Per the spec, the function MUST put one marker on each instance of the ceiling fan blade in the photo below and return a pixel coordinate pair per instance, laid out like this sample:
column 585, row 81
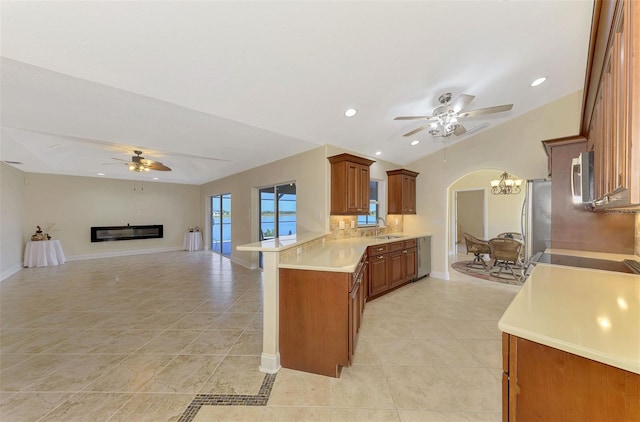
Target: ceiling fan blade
column 119, row 159
column 413, row 132
column 156, row 165
column 413, row 118
column 461, row 101
column 478, row 127
column 460, row 130
column 488, row 110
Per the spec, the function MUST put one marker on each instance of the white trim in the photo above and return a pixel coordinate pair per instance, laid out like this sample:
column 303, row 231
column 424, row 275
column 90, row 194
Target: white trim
column 123, row 253
column 244, row 263
column 439, row 275
column 11, row 271
column 270, row 364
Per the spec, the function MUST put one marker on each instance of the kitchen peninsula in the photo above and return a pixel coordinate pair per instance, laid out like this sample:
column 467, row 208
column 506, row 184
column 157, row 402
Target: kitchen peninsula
column 571, row 345
column 320, row 258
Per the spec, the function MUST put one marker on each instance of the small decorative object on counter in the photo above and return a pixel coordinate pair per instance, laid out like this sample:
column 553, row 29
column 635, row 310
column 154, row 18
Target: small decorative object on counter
column 197, row 229
column 39, row 235
column 190, row 229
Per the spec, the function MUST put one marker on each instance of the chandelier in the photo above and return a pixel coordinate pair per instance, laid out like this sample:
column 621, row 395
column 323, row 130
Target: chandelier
column 506, row 185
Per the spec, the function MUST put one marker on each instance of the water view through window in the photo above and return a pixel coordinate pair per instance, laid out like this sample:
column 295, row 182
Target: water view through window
column 221, row 224
column 277, row 211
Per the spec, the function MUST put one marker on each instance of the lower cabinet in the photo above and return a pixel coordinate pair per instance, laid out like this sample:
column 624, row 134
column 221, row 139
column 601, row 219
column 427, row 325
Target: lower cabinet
column 391, row 265
column 546, row 384
column 320, row 316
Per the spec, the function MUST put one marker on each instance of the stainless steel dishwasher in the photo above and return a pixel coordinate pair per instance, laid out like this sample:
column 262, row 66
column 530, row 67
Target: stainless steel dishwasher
column 424, row 256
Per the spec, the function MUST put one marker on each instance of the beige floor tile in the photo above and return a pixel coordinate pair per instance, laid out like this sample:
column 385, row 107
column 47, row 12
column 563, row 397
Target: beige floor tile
column 449, row 353
column 153, row 407
column 233, row 320
column 169, row 342
column 487, row 352
column 131, row 374
column 361, row 386
column 230, row 414
column 235, row 375
column 401, row 350
column 31, row 370
column 88, row 406
column 386, row 327
column 249, row 343
column 295, row 388
column 364, row 415
column 420, row 388
column 26, row 407
column 476, row 389
column 296, row 414
column 196, row 321
column 432, row 416
column 213, row 342
column 184, row 374
column 365, row 352
column 85, row 341
column 128, row 341
column 484, row 416
column 7, row 360
column 467, row 329
column 431, row 328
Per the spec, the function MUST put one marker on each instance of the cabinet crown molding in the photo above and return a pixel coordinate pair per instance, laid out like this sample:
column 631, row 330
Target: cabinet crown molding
column 402, row 171
column 349, row 157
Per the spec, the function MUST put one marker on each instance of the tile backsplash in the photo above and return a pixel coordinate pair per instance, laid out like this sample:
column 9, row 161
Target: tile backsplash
column 341, row 226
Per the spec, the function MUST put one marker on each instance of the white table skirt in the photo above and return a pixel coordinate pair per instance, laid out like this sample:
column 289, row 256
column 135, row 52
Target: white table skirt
column 192, row 241
column 43, row 252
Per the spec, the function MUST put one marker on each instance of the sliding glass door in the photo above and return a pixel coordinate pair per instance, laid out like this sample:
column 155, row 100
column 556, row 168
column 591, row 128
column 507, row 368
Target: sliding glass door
column 221, row 224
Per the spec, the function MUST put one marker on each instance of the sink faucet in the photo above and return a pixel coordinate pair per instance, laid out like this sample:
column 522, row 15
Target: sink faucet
column 384, row 223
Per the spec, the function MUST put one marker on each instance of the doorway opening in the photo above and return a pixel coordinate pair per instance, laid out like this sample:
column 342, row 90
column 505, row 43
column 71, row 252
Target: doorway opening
column 221, row 224
column 469, row 217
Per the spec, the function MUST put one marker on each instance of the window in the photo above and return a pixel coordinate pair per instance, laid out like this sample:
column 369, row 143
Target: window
column 374, row 205
column 221, row 224
column 277, row 214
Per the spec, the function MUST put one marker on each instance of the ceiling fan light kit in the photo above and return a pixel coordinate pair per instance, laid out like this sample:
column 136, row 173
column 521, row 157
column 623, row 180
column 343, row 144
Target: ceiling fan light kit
column 445, row 119
column 140, row 164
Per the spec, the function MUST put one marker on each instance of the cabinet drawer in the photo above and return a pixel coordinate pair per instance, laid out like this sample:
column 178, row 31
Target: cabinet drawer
column 378, row 249
column 395, row 246
column 411, row 243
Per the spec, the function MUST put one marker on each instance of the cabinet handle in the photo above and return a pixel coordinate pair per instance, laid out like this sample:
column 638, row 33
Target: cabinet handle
column 381, row 256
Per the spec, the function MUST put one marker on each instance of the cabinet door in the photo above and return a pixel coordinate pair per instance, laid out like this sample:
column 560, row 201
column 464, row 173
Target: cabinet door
column 396, row 269
column 410, row 257
column 408, row 194
column 353, row 187
column 378, row 274
column 363, row 190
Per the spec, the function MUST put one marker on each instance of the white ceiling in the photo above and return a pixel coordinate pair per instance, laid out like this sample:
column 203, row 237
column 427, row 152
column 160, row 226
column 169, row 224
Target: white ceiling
column 212, row 88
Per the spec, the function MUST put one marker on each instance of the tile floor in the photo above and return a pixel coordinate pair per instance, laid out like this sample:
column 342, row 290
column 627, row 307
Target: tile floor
column 141, row 338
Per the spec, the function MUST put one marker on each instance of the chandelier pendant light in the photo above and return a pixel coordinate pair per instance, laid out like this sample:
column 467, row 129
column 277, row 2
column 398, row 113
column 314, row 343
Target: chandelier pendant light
column 506, row 185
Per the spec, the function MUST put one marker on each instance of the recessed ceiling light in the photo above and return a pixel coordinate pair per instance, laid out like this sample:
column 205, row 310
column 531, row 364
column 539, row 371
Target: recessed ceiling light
column 351, row 112
column 415, row 142
column 539, row 81
column 155, row 178
column 100, row 174
column 378, row 152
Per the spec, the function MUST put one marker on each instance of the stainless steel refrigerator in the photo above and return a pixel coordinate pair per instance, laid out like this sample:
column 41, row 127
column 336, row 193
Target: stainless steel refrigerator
column 536, row 217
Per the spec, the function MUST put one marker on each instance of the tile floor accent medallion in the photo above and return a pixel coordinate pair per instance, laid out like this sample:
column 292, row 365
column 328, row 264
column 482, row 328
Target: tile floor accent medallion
column 259, row 399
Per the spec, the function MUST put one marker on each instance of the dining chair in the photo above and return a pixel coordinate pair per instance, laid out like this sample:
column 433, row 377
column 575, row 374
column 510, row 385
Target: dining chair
column 507, row 255
column 478, row 248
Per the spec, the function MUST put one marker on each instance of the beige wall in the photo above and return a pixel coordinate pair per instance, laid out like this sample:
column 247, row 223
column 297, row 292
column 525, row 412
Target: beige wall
column 513, row 147
column 11, row 210
column 68, row 206
column 503, row 211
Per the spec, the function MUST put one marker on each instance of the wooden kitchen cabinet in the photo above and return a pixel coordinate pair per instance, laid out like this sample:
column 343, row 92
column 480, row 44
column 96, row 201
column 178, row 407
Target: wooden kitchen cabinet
column 402, row 191
column 391, row 265
column 378, row 270
column 349, row 184
column 320, row 317
column 612, row 115
column 546, row 384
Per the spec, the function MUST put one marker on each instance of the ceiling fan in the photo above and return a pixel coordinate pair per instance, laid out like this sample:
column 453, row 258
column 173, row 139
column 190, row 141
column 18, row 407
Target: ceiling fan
column 140, row 164
column 445, row 118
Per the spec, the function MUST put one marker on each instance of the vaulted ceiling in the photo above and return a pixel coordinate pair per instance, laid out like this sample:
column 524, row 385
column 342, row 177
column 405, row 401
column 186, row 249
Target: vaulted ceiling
column 212, row 88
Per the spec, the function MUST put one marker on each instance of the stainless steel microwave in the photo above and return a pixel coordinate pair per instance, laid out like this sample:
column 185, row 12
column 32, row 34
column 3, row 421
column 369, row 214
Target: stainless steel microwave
column 582, row 178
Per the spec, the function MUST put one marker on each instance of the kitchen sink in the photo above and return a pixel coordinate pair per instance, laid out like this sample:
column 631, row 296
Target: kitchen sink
column 389, row 236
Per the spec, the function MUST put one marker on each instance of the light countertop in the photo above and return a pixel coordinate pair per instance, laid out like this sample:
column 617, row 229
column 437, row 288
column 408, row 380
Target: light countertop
column 281, row 243
column 341, row 255
column 590, row 313
column 594, row 255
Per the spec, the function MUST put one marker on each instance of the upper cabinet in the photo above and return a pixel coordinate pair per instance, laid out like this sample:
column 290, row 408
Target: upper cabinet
column 611, row 117
column 402, row 191
column 349, row 184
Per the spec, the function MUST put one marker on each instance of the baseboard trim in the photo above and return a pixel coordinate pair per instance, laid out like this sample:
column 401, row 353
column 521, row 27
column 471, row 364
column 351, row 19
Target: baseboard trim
column 244, row 263
column 270, row 364
column 440, row 275
column 11, row 271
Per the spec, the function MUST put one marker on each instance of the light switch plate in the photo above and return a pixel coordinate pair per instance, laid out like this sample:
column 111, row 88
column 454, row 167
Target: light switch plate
column 341, row 225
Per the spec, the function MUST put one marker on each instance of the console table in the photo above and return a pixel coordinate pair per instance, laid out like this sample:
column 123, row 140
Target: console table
column 192, row 241
column 43, row 253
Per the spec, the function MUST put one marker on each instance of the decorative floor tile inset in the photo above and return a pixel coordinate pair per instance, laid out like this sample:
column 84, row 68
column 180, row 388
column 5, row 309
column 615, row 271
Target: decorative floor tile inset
column 259, row 399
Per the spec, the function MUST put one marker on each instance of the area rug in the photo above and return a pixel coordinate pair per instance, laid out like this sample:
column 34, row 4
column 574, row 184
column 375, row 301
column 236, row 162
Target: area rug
column 478, row 272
